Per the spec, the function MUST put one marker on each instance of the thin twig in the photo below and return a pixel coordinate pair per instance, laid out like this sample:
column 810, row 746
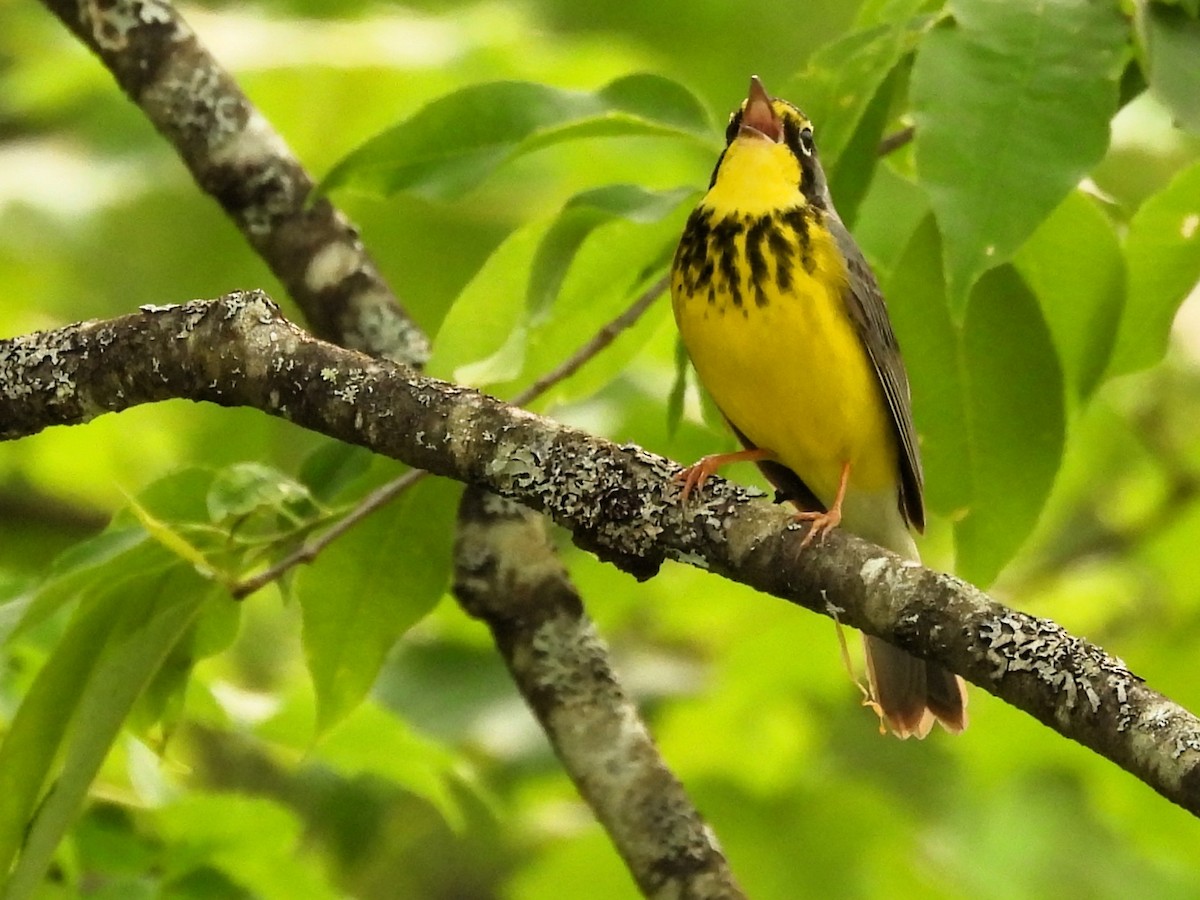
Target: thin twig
column 599, row 341
column 897, row 139
column 393, row 489
column 309, row 551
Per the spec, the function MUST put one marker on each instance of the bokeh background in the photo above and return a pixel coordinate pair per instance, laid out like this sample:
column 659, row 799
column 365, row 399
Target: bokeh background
column 440, row 784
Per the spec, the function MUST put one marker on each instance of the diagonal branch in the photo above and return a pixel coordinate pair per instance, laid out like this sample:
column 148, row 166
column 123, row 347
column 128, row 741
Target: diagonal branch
column 508, row 574
column 381, row 496
column 618, row 501
column 238, row 158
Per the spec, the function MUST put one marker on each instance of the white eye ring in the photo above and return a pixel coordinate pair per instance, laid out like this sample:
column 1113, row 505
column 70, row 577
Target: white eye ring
column 806, row 141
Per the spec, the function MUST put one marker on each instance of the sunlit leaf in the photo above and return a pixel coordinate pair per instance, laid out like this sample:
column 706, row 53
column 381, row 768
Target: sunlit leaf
column 457, row 140
column 582, row 215
column 180, row 496
column 491, row 338
column 617, row 263
column 1163, row 253
column 173, row 541
column 842, row 78
column 98, row 671
column 1073, row 264
column 1012, row 101
column 879, row 12
column 484, row 329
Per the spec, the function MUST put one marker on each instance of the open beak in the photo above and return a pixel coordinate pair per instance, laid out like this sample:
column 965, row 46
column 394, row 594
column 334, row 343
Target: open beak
column 758, row 118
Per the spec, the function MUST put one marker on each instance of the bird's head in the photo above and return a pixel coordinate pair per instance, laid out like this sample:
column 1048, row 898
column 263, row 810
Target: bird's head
column 770, row 154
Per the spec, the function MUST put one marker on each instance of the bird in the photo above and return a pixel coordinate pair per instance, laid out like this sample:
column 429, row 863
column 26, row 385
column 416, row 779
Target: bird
column 788, row 332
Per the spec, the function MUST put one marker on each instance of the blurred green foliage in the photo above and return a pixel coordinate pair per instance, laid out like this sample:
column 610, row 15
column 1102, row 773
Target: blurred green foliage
column 1036, row 241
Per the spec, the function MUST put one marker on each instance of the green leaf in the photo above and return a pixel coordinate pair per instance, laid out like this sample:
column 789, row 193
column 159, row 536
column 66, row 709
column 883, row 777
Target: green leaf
column 107, row 843
column 1163, row 253
column 582, row 215
column 244, row 488
column 86, row 565
column 851, row 178
column 369, row 587
column 678, row 388
column 491, row 338
column 929, row 341
column 837, row 87
column 481, row 340
column 1016, row 422
column 1172, row 41
column 373, row 742
column 333, row 467
column 881, row 12
column 124, row 547
column 100, row 668
column 458, row 140
column 988, row 404
column 36, row 731
column 162, row 702
column 618, row 262
column 891, row 211
column 95, row 551
column 1012, row 102
column 16, row 594
column 176, row 543
column 255, row 842
column 180, row 496
column 1073, row 265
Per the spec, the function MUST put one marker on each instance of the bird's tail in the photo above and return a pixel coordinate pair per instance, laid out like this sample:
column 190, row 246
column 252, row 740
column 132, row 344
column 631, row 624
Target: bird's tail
column 912, row 693
column 909, row 693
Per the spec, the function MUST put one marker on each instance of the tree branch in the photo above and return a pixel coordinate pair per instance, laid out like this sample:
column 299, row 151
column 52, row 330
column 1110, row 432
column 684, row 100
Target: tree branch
column 618, row 501
column 386, row 493
column 508, row 575
column 242, row 162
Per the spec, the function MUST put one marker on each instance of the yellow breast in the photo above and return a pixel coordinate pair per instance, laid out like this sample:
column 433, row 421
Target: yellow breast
column 758, row 297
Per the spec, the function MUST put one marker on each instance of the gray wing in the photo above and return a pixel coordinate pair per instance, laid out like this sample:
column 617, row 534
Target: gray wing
column 867, row 309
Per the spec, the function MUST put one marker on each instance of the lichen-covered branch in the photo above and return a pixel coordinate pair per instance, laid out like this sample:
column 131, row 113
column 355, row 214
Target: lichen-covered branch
column 561, row 665
column 618, row 501
column 242, row 162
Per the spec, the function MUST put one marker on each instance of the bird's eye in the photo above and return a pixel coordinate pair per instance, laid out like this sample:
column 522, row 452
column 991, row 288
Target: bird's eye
column 806, row 140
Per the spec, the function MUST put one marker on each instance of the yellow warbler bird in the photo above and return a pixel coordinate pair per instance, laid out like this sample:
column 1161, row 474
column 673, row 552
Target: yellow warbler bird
column 788, row 331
